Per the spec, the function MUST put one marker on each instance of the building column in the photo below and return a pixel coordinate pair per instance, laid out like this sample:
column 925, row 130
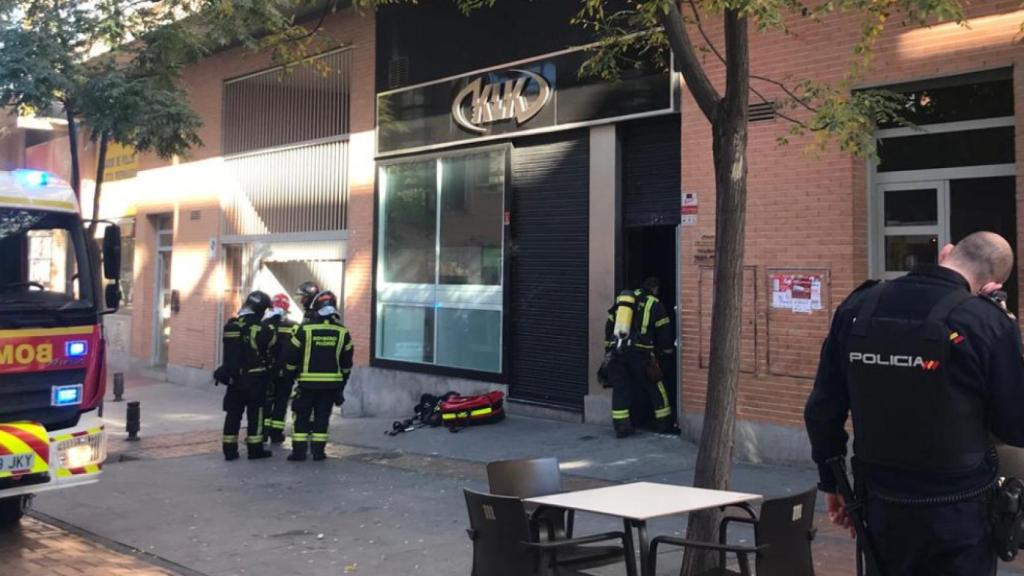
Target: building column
column 604, row 233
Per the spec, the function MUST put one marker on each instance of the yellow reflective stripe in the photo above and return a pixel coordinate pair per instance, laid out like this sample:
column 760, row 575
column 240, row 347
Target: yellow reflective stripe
column 254, row 439
column 299, row 436
column 663, row 412
column 70, row 331
column 647, row 315
column 61, row 473
column 33, row 203
column 253, row 331
column 663, row 322
column 320, row 437
column 295, row 342
column 277, row 424
column 230, row 439
column 320, row 377
column 620, row 414
column 664, row 395
column 291, row 366
column 481, row 412
column 644, row 346
column 350, row 346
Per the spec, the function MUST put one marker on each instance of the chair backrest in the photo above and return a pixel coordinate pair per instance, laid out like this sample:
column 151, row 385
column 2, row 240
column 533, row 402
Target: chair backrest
column 498, row 527
column 525, row 478
column 786, row 527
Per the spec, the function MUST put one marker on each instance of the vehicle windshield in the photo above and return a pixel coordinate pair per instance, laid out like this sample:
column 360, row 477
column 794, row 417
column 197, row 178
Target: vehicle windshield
column 43, row 262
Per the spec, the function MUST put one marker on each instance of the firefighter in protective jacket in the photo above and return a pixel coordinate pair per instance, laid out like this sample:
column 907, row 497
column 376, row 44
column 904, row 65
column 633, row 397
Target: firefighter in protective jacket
column 638, row 338
column 320, row 357
column 244, row 372
column 280, row 383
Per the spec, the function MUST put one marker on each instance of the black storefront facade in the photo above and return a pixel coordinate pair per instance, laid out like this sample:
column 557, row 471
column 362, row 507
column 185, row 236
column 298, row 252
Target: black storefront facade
column 514, row 198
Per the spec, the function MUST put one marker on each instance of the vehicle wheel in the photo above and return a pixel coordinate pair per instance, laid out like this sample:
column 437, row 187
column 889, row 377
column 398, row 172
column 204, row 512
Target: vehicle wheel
column 12, row 509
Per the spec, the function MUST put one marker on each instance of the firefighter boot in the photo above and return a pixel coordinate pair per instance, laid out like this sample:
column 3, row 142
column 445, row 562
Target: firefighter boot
column 318, row 450
column 258, row 451
column 623, row 428
column 666, row 425
column 276, row 436
column 230, row 451
column 298, row 450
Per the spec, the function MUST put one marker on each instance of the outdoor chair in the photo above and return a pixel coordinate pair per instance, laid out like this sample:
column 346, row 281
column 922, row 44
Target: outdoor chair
column 503, row 543
column 541, row 477
column 783, row 531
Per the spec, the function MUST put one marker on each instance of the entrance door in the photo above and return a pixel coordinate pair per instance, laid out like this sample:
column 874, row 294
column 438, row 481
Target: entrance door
column 650, row 251
column 162, row 311
column 917, row 218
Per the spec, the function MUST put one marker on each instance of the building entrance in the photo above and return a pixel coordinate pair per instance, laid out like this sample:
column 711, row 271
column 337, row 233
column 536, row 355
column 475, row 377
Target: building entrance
column 650, row 251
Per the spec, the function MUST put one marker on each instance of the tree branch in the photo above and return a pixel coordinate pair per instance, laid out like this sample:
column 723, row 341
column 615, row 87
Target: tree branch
column 328, row 7
column 687, row 62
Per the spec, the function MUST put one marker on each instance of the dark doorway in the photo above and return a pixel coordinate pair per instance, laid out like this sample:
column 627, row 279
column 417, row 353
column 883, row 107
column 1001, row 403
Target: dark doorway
column 990, row 204
column 651, row 251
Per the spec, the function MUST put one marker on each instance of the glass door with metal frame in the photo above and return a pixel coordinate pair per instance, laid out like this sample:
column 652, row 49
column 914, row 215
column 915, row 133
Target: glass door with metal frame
column 162, row 310
column 913, row 225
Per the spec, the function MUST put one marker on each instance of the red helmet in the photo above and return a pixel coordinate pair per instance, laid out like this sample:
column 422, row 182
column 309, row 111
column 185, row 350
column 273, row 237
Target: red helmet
column 281, row 301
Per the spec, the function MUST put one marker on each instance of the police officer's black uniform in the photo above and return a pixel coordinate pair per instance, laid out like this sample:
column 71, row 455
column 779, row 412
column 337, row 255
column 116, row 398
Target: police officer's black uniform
column 280, row 380
column 321, row 358
column 244, row 371
column 650, row 340
column 927, row 371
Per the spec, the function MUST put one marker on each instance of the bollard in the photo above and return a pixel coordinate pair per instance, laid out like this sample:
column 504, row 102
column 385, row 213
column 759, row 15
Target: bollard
column 133, row 421
column 118, row 387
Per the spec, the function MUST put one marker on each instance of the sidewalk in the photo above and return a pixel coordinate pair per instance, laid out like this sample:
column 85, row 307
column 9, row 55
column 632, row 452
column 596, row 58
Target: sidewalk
column 381, row 505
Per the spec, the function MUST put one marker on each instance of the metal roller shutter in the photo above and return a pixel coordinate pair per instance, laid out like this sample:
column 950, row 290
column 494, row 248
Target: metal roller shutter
column 549, row 261
column 650, row 172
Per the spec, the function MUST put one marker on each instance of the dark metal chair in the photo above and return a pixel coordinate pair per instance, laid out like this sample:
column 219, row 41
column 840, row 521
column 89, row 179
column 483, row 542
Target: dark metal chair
column 783, row 531
column 503, row 543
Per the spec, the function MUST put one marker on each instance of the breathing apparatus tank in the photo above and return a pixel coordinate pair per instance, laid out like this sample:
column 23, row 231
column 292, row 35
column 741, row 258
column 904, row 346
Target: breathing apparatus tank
column 625, row 309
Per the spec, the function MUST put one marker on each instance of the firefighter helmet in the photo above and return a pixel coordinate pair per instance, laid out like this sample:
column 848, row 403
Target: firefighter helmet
column 256, row 302
column 306, row 292
column 281, row 301
column 325, row 303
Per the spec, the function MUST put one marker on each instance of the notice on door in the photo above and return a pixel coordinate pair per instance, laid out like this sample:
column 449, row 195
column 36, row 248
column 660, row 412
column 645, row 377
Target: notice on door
column 799, row 293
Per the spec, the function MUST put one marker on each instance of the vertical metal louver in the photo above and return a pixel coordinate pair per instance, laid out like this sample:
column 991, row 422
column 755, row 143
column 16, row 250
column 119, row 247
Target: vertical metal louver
column 286, row 105
column 300, row 189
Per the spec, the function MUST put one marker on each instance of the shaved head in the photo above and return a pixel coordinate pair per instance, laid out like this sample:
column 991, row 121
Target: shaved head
column 983, row 257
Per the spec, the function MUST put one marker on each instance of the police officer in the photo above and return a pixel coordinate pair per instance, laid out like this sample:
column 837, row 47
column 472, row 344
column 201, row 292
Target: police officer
column 244, row 372
column 928, row 368
column 321, row 358
column 637, row 346
column 280, row 382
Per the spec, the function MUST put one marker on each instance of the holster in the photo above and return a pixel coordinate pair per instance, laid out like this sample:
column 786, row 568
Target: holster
column 1008, row 519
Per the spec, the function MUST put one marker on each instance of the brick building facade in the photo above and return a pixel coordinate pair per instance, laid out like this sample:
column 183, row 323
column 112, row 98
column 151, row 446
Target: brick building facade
column 818, row 224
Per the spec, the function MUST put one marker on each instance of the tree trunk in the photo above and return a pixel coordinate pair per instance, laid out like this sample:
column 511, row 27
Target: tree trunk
column 729, row 127
column 101, row 165
column 76, row 178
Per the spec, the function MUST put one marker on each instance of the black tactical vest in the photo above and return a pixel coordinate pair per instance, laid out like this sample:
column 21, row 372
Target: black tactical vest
column 906, row 412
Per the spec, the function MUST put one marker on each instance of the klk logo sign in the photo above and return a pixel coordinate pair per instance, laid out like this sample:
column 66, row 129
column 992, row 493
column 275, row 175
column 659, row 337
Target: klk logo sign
column 479, row 104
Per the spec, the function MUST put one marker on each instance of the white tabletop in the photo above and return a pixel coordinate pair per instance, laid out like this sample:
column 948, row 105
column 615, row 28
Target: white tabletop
column 643, row 500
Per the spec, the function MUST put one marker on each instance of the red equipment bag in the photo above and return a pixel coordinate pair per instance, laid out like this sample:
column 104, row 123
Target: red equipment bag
column 460, row 411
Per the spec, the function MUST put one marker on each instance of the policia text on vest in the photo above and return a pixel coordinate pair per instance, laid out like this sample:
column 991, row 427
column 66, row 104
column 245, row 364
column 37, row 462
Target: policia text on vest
column 927, row 371
column 638, row 337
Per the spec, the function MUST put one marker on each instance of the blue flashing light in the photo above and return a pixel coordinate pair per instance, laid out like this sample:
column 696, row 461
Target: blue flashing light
column 76, row 348
column 67, row 395
column 32, row 178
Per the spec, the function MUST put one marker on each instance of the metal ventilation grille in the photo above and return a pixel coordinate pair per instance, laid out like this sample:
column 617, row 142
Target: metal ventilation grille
column 277, row 107
column 302, row 189
column 761, row 112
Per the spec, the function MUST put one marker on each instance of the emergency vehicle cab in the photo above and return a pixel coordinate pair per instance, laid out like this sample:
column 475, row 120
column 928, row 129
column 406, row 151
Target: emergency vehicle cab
column 52, row 361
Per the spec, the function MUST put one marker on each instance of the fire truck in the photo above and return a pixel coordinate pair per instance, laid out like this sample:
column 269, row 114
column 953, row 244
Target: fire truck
column 52, row 360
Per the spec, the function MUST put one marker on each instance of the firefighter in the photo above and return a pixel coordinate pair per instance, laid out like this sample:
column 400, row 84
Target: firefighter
column 279, row 387
column 305, row 294
column 244, row 372
column 320, row 357
column 926, row 370
column 638, row 339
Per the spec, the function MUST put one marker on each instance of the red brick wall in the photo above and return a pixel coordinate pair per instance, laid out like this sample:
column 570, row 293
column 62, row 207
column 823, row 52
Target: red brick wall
column 191, row 184
column 808, row 212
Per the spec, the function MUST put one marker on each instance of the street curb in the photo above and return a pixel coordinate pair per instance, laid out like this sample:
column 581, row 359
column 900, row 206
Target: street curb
column 115, row 546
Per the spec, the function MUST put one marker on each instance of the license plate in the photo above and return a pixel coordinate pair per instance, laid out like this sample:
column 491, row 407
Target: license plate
column 17, row 462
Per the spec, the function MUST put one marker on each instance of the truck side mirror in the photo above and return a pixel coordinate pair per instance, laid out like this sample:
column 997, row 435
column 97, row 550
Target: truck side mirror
column 112, row 296
column 112, row 252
